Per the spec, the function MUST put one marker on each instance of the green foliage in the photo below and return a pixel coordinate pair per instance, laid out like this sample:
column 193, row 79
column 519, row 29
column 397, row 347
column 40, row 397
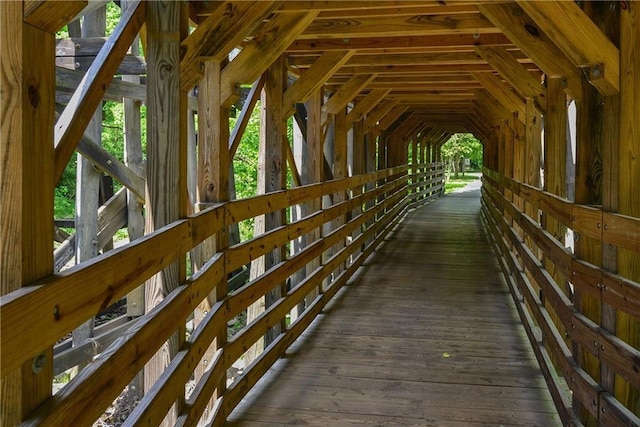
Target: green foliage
column 245, row 165
column 461, row 146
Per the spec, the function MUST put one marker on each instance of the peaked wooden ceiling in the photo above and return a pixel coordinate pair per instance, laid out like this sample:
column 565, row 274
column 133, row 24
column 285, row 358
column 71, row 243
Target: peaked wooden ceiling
column 463, row 65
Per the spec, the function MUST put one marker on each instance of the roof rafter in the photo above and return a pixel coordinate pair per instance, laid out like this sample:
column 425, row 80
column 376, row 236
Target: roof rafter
column 580, row 39
column 218, row 34
column 313, row 79
column 515, row 74
column 262, row 51
column 516, row 24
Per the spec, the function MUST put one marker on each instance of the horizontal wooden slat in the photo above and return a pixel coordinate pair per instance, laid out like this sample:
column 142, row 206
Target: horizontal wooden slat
column 586, row 277
column 583, row 386
column 613, row 413
column 587, row 221
column 621, row 293
column 37, row 316
column 127, row 356
column 622, row 231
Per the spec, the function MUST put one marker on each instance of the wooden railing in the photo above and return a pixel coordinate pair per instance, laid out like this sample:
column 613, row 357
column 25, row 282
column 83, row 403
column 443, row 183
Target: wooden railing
column 560, row 333
column 37, row 316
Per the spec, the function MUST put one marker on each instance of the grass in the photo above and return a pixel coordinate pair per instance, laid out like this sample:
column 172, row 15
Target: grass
column 452, row 183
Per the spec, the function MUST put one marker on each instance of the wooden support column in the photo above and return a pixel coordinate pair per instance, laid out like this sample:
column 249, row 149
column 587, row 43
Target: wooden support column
column 213, row 187
column 414, row 164
column 383, row 145
column 519, row 156
column 370, row 166
column 627, row 327
column 357, row 150
column 611, row 138
column 313, row 172
column 88, row 184
column 271, row 177
column 555, row 155
column 533, row 156
column 166, row 159
column 26, row 188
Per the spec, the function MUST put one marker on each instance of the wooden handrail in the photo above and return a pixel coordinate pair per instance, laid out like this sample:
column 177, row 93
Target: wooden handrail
column 536, row 289
column 36, row 316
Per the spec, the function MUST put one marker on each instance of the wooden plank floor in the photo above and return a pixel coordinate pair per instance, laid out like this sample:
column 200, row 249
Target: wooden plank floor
column 426, row 335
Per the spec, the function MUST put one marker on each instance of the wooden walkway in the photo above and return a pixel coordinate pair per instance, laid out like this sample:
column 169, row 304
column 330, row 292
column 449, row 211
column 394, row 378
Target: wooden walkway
column 426, row 335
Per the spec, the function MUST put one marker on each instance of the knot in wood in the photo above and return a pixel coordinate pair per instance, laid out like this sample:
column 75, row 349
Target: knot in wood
column 34, row 96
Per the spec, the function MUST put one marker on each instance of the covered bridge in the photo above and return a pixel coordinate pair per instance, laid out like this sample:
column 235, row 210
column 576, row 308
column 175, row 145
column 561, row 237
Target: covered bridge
column 369, row 297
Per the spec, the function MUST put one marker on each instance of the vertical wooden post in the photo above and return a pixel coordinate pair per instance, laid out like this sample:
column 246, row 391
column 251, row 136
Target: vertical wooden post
column 88, row 183
column 213, row 187
column 519, row 163
column 166, row 159
column 555, row 155
column 340, row 168
column 628, row 327
column 271, row 177
column 26, row 192
column 370, row 166
column 383, row 152
column 314, row 172
column 611, row 138
column 357, row 168
column 327, row 200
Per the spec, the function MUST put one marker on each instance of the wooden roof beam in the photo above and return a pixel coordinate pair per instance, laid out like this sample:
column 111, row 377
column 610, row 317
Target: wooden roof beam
column 513, row 72
column 378, row 113
column 313, row 79
column 502, row 93
column 218, row 34
column 490, row 105
column 262, row 51
column 410, row 41
column 51, row 15
column 388, row 119
column 423, row 9
column 524, row 32
column 446, row 69
column 365, row 105
column 439, row 58
column 337, row 5
column 345, row 94
column 418, row 25
column 580, row 39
